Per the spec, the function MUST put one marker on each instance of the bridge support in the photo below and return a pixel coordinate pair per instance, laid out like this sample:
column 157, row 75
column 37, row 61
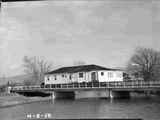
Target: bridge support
column 91, row 94
column 119, row 94
column 78, row 94
column 63, row 95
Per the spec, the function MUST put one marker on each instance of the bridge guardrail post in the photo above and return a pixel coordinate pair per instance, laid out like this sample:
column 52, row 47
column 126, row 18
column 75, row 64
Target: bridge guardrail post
column 135, row 84
column 132, row 84
column 152, row 84
column 145, row 83
column 116, row 84
column 155, row 83
column 107, row 84
column 141, row 84
column 62, row 86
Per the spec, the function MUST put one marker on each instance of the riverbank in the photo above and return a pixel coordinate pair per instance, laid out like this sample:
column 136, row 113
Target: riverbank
column 16, row 99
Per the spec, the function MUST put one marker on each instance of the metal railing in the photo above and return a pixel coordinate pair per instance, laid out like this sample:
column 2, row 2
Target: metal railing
column 110, row 85
column 25, row 88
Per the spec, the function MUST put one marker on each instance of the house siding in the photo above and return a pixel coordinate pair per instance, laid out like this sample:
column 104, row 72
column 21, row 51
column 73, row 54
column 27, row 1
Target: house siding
column 65, row 77
column 116, row 76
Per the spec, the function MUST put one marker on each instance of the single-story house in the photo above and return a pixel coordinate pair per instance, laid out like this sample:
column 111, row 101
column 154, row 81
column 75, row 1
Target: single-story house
column 83, row 73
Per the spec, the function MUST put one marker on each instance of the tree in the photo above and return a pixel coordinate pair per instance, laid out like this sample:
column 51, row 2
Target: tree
column 37, row 67
column 145, row 63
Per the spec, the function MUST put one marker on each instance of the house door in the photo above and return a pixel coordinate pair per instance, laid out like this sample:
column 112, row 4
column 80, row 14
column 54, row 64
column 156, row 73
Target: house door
column 93, row 76
column 70, row 78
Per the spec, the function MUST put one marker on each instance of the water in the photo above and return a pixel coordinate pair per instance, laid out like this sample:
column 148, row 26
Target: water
column 145, row 108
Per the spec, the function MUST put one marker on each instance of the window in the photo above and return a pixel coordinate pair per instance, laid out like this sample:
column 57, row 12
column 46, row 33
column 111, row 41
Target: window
column 80, row 75
column 102, row 73
column 48, row 78
column 55, row 78
column 70, row 77
column 110, row 74
column 63, row 75
column 119, row 75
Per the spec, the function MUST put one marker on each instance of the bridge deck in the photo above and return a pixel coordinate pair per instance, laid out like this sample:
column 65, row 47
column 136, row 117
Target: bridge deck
column 119, row 86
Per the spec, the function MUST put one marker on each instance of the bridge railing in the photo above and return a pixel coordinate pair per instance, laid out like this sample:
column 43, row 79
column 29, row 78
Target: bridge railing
column 25, row 88
column 119, row 84
column 126, row 84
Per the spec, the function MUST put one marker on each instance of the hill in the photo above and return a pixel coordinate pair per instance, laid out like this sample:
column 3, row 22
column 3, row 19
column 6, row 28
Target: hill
column 14, row 79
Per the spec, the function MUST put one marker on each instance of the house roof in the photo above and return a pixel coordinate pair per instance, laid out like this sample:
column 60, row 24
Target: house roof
column 81, row 68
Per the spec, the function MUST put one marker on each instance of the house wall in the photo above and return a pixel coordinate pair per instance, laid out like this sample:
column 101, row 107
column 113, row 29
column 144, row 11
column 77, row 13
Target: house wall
column 50, row 79
column 56, row 79
column 109, row 76
column 65, row 77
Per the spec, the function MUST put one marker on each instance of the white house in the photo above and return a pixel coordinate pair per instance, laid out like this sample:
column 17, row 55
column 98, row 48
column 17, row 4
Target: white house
column 83, row 73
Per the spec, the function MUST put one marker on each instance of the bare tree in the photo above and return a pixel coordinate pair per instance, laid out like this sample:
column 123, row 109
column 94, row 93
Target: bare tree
column 36, row 67
column 145, row 63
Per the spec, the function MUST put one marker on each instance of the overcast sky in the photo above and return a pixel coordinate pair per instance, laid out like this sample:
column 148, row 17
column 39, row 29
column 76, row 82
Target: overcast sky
column 97, row 32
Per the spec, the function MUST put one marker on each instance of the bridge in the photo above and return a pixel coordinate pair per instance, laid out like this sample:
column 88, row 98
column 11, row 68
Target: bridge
column 105, row 89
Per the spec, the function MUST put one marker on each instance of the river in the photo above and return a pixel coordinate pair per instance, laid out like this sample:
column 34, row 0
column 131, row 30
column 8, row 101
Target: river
column 146, row 108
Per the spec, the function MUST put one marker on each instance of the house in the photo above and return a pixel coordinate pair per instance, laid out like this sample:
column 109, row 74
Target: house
column 83, row 73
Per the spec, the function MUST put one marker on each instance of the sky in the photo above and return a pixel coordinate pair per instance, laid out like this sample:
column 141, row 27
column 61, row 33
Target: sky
column 104, row 32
